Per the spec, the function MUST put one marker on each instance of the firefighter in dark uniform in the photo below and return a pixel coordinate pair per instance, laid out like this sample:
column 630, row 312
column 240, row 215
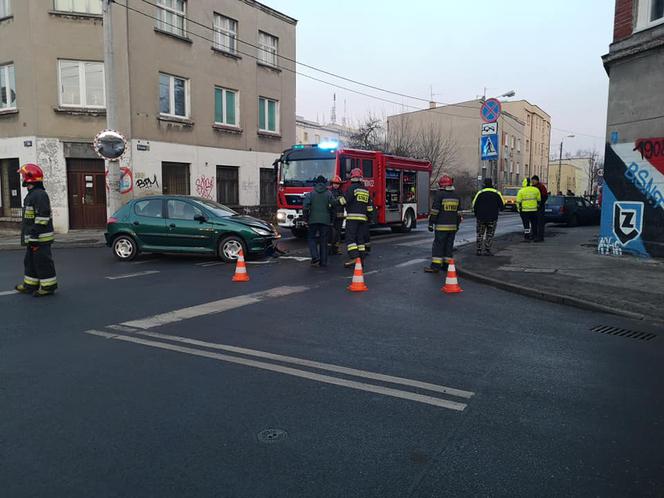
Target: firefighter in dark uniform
column 338, row 214
column 444, row 220
column 359, row 208
column 37, row 235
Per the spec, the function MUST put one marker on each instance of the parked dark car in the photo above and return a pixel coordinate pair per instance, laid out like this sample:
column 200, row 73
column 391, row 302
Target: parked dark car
column 184, row 224
column 571, row 210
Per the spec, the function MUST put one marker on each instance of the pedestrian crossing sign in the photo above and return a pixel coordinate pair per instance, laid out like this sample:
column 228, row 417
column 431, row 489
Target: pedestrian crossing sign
column 489, row 147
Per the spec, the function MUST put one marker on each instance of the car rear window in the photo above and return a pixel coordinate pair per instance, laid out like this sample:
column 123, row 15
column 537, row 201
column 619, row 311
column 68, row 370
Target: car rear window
column 510, row 191
column 555, row 201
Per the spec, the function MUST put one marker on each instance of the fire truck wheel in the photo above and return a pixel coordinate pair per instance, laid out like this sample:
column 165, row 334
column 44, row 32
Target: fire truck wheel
column 407, row 224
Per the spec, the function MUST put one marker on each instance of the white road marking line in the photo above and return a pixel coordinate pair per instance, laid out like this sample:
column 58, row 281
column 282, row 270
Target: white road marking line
column 391, row 238
column 313, row 364
column 296, row 258
column 122, row 328
column 261, row 262
column 131, row 275
column 143, row 262
column 212, row 307
column 210, row 263
column 365, row 273
column 421, row 242
column 387, row 391
column 8, row 293
column 412, row 262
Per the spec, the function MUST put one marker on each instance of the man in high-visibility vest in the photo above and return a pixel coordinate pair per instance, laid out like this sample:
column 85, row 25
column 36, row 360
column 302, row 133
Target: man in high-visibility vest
column 527, row 204
column 37, row 235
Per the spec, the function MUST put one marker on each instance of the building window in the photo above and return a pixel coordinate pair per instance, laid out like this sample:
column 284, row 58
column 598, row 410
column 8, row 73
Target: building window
column 175, row 178
column 82, row 84
column 171, row 16
column 527, row 145
column 81, row 6
column 306, row 137
column 268, row 115
column 226, row 107
column 225, row 33
column 317, row 138
column 228, row 185
column 268, row 187
column 5, row 10
column 173, row 96
column 518, row 145
column 268, row 46
column 7, row 87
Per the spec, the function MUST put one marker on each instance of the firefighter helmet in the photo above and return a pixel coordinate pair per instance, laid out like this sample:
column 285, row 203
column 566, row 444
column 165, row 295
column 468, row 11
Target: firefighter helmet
column 336, row 179
column 445, row 181
column 31, row 173
column 356, row 173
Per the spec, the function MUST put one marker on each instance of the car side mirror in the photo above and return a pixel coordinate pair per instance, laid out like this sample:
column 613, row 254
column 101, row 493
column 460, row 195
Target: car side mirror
column 201, row 218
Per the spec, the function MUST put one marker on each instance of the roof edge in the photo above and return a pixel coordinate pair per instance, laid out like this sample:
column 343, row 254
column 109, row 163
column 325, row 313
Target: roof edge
column 271, row 11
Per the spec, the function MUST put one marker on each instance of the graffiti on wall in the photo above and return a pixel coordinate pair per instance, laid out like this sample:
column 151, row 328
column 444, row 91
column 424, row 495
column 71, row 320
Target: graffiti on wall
column 633, row 198
column 204, row 186
column 126, row 180
column 144, row 183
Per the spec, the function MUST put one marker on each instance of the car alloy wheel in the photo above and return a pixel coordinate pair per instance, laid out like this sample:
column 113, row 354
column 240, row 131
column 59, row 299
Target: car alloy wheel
column 230, row 248
column 124, row 248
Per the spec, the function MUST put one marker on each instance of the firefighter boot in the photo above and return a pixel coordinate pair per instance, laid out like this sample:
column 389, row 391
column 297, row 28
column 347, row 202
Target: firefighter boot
column 43, row 293
column 430, row 269
column 23, row 289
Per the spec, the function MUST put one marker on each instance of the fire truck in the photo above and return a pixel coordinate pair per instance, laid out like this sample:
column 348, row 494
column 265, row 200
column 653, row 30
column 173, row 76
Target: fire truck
column 399, row 186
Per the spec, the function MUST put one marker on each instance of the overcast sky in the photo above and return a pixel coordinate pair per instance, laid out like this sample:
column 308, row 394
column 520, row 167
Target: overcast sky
column 548, row 51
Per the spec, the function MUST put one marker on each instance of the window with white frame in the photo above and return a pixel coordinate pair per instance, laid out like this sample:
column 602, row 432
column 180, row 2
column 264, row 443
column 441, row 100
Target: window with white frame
column 226, row 107
column 173, row 96
column 268, row 115
column 171, row 16
column 518, row 145
column 5, row 8
column 225, row 33
column 7, row 87
column 82, row 84
column 268, row 47
column 81, row 6
column 650, row 13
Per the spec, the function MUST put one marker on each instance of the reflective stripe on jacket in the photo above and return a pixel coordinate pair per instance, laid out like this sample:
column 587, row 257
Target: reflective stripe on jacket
column 37, row 225
column 445, row 211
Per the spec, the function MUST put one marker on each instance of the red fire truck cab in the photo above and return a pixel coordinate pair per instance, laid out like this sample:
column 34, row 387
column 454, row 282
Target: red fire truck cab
column 399, row 186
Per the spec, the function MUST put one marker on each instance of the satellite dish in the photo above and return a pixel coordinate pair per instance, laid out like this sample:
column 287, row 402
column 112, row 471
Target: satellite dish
column 110, row 145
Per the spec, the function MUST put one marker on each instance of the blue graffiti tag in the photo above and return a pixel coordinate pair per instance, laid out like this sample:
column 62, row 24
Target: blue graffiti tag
column 644, row 181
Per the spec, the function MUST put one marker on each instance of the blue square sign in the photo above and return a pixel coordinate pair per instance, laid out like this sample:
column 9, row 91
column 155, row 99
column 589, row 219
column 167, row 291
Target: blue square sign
column 489, row 147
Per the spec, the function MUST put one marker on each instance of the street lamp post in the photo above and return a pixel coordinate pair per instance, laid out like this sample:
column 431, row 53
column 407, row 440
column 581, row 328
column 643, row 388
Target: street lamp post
column 560, row 162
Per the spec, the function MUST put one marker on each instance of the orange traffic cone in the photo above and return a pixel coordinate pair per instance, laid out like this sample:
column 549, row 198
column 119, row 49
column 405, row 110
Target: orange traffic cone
column 241, row 274
column 451, row 281
column 357, row 285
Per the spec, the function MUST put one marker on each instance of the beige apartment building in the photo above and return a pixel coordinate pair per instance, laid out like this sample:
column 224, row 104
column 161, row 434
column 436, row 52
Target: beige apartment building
column 459, row 125
column 574, row 175
column 537, row 136
column 205, row 111
column 312, row 132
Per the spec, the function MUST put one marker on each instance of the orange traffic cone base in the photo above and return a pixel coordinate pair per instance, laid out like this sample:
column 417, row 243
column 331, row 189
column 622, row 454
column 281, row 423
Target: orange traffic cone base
column 451, row 281
column 357, row 284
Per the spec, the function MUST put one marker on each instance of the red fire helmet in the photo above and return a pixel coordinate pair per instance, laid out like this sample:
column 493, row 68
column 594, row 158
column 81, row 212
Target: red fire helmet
column 336, row 179
column 445, row 181
column 356, row 173
column 31, row 173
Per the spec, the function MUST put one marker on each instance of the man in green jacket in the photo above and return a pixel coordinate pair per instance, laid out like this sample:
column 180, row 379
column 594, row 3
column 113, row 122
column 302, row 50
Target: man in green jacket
column 528, row 200
column 318, row 210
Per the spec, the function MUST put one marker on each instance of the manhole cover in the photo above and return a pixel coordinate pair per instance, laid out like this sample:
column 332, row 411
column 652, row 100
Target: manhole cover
column 272, row 435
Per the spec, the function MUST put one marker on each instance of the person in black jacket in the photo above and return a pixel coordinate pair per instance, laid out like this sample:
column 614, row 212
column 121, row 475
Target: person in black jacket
column 487, row 204
column 37, row 235
column 444, row 220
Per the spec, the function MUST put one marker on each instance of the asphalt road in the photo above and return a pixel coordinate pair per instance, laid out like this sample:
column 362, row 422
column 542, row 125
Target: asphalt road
column 159, row 378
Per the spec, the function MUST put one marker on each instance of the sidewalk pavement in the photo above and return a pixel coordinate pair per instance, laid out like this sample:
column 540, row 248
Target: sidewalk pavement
column 567, row 269
column 11, row 239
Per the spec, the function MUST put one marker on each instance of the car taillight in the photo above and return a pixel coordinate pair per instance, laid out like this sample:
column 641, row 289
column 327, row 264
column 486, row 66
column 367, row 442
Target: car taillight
column 563, row 210
column 112, row 220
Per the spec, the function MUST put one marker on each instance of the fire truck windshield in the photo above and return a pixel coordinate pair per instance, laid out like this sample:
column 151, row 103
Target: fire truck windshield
column 303, row 172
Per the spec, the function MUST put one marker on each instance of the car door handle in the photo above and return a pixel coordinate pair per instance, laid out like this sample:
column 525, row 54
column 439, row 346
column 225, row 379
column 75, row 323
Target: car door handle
column 136, row 223
column 172, row 225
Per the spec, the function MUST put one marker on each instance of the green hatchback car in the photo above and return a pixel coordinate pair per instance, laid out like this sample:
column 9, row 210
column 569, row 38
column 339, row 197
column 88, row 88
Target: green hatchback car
column 184, row 224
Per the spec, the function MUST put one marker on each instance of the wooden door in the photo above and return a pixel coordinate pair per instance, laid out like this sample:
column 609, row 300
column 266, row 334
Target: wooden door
column 86, row 186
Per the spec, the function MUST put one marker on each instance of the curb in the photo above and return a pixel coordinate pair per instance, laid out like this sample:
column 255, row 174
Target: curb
column 553, row 297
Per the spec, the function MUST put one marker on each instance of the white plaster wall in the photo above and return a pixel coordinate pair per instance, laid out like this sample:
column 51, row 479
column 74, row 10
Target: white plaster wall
column 203, row 162
column 51, row 158
column 12, row 148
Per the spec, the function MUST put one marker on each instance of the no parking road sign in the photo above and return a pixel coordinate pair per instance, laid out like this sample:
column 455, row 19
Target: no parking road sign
column 491, row 110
